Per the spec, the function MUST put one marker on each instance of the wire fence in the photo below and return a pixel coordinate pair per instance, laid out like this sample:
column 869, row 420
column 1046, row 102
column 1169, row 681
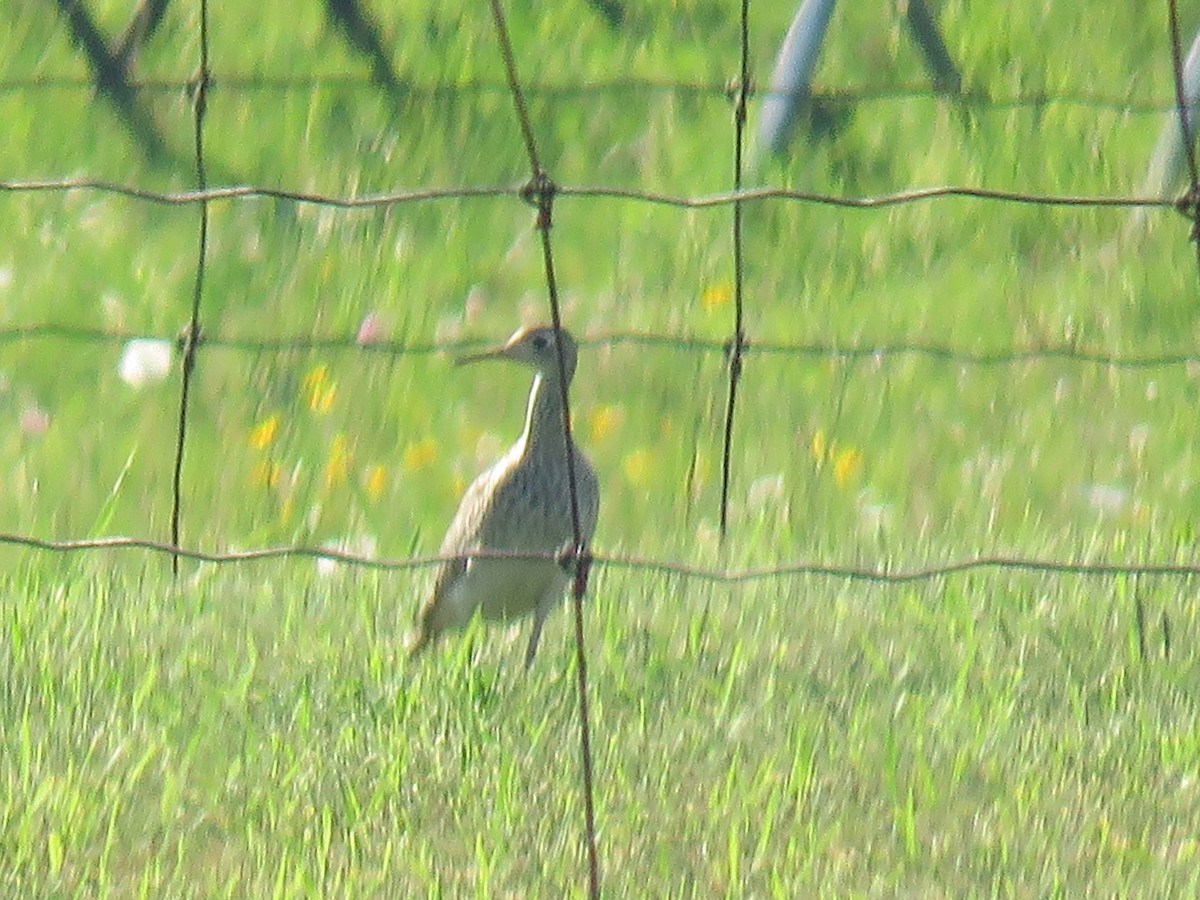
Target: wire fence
column 944, row 353
column 986, row 100
column 542, row 193
column 632, row 563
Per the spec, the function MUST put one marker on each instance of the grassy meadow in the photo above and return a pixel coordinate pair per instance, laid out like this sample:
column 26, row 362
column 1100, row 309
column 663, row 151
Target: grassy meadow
column 255, row 730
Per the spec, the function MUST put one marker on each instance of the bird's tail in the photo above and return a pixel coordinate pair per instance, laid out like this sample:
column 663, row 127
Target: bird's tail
column 418, row 640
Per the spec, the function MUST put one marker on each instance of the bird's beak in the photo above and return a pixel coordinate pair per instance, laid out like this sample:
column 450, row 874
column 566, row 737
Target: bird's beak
column 503, row 351
column 500, row 352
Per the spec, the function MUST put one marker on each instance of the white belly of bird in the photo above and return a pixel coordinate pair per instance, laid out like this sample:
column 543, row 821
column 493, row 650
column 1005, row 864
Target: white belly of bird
column 505, row 588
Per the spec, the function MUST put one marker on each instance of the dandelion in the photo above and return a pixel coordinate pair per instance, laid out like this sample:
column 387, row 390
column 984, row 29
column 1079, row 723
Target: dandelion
column 337, row 466
column 419, row 455
column 321, row 390
column 846, row 466
column 322, row 402
column 604, row 420
column 317, row 377
column 638, row 466
column 375, row 481
column 716, row 295
column 263, row 434
column 847, row 462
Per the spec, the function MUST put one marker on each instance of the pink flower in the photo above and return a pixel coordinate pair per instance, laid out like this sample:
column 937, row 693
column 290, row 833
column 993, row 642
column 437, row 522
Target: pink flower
column 371, row 330
column 34, row 421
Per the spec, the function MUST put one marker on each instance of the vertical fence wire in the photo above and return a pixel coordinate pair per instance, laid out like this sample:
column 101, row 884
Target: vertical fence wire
column 540, row 191
column 737, row 342
column 190, row 339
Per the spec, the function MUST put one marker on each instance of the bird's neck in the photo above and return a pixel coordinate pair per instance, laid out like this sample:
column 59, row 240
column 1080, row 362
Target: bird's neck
column 543, row 418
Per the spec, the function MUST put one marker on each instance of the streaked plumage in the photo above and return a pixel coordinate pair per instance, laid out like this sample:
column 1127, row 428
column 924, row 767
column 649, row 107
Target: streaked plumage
column 520, row 504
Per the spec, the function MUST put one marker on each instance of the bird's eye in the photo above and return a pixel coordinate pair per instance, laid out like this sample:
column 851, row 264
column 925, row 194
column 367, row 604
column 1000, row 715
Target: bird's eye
column 539, row 342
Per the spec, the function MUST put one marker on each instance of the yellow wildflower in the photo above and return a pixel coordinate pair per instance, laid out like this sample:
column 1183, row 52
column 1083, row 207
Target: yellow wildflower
column 318, row 377
column 604, row 420
column 375, row 481
column 846, row 466
column 321, row 390
column 419, row 455
column 716, row 295
column 263, row 434
column 320, row 400
column 337, row 467
column 638, row 466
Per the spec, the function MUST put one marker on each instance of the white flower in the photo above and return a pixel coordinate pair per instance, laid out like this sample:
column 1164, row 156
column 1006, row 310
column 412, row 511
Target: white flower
column 1107, row 499
column 145, row 360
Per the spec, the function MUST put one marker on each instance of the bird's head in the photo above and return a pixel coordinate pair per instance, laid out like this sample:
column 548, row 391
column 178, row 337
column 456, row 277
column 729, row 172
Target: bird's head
column 537, row 347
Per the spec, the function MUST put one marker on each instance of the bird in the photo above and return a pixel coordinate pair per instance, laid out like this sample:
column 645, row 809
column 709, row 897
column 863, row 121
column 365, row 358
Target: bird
column 522, row 504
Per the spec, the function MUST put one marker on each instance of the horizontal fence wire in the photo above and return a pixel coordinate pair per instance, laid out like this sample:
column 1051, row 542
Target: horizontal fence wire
column 522, row 191
column 928, row 572
column 416, row 90
column 820, row 350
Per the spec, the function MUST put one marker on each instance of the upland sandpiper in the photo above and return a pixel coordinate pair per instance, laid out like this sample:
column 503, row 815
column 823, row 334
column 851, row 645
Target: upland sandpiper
column 522, row 504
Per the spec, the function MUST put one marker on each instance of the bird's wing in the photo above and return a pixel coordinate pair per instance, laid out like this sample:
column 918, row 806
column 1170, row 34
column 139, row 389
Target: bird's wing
column 504, row 486
column 594, row 506
column 589, row 494
column 463, row 535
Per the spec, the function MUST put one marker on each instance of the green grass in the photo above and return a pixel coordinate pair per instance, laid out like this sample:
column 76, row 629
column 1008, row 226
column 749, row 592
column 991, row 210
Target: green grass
column 256, row 730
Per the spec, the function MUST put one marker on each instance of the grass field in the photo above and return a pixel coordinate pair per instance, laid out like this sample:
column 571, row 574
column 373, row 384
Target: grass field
column 255, row 730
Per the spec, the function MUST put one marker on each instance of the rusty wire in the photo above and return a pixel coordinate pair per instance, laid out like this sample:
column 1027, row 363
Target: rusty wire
column 736, row 345
column 717, row 575
column 609, row 192
column 824, row 350
column 193, row 333
column 865, row 93
column 540, row 192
